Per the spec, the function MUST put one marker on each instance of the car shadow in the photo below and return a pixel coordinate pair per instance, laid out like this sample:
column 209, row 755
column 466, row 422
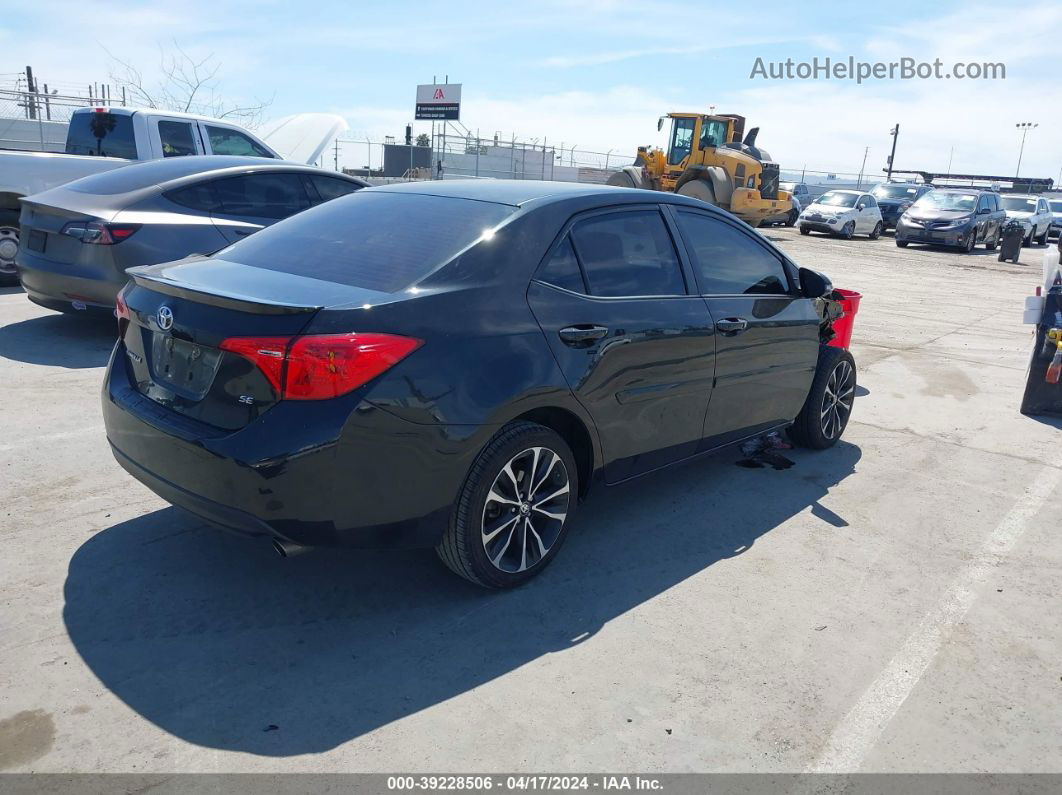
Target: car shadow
column 216, row 640
column 11, row 289
column 59, row 340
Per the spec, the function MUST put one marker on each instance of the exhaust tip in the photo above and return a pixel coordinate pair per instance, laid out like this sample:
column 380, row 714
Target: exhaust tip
column 286, row 549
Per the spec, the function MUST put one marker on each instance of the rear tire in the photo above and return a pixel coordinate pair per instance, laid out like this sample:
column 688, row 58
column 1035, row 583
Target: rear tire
column 699, row 189
column 1042, row 239
column 829, row 404
column 8, row 247
column 500, row 533
column 877, row 231
column 804, row 230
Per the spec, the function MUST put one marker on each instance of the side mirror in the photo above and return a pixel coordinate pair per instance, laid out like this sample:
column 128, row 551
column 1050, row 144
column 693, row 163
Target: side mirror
column 983, row 211
column 813, row 284
column 861, row 206
column 660, row 124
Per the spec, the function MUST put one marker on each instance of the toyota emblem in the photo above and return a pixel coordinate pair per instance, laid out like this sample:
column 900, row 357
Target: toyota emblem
column 164, row 317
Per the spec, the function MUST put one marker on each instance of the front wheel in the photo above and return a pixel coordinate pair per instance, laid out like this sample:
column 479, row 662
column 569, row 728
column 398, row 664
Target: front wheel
column 877, row 231
column 901, row 244
column 513, row 512
column 848, row 230
column 829, row 403
column 8, row 247
column 971, row 241
column 804, row 230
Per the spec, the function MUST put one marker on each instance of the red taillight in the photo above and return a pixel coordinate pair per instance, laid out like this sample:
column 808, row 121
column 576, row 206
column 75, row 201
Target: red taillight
column 322, row 366
column 99, row 234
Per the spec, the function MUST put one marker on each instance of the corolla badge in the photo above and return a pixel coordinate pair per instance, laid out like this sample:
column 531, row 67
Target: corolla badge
column 164, row 317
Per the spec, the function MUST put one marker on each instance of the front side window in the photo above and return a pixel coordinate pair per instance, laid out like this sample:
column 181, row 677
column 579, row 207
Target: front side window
column 984, row 204
column 1056, row 206
column 176, row 138
column 681, row 140
column 224, row 141
column 266, row 195
column 729, row 261
column 102, row 135
column 628, row 254
column 868, row 201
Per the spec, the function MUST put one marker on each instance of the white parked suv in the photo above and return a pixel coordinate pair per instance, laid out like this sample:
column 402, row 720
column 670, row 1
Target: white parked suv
column 842, row 212
column 1034, row 214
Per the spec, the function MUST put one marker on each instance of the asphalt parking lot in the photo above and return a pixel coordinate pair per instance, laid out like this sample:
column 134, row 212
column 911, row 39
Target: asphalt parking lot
column 887, row 605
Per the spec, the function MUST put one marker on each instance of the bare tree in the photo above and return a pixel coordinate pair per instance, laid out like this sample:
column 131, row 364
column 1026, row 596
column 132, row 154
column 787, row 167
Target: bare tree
column 183, row 83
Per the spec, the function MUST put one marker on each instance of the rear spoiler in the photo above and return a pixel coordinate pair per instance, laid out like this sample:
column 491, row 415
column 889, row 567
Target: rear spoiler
column 214, row 297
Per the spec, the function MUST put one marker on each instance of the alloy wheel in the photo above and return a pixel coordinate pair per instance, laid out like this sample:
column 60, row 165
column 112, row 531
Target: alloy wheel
column 8, row 248
column 525, row 510
column 837, row 400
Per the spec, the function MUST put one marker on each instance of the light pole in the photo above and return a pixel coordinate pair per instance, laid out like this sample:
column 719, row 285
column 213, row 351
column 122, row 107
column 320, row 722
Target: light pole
column 895, row 133
column 1024, row 126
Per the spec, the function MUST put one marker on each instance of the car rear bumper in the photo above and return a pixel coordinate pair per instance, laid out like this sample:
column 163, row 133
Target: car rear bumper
column 60, row 285
column 302, row 472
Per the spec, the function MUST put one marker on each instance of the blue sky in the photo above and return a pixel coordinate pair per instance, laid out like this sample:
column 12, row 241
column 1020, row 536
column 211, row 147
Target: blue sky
column 598, row 73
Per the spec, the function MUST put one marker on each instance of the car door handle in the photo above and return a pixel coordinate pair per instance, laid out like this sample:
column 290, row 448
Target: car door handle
column 582, row 334
column 732, row 325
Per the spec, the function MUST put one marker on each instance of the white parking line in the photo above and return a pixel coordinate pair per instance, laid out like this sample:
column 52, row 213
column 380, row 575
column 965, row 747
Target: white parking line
column 854, row 737
column 50, row 437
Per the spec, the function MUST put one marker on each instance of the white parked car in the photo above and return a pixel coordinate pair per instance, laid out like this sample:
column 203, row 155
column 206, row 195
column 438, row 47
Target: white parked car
column 1056, row 217
column 1034, row 214
column 842, row 212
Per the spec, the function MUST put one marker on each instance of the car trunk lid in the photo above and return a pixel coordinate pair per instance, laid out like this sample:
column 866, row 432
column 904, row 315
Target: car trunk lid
column 180, row 313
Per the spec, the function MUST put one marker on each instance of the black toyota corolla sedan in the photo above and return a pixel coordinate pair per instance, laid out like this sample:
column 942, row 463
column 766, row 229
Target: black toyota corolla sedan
column 453, row 364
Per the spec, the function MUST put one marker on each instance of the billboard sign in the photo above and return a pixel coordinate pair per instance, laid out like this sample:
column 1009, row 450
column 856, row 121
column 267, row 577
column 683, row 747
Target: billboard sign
column 439, row 102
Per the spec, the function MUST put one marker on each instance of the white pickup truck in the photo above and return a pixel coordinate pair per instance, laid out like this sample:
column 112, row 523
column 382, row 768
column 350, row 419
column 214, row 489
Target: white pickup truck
column 101, row 139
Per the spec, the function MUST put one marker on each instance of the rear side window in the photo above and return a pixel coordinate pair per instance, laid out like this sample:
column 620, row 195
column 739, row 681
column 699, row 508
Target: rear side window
column 101, row 134
column 562, row 268
column 224, row 141
column 329, row 188
column 176, row 137
column 372, row 239
column 628, row 254
column 195, row 197
column 267, row 195
column 729, row 261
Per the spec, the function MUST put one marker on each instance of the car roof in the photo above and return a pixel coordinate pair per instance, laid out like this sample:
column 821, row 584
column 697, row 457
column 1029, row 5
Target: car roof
column 846, row 190
column 176, row 114
column 120, row 186
column 517, row 192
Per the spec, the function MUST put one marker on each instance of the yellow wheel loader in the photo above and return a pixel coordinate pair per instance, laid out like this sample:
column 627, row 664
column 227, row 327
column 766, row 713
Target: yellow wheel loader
column 707, row 159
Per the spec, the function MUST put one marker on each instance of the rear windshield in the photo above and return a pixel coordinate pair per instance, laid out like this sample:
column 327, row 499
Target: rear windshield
column 372, row 239
column 101, row 134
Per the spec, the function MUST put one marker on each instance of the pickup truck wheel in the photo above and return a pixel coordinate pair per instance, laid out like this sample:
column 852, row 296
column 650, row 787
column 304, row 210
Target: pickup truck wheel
column 8, row 246
column 514, row 510
column 829, row 403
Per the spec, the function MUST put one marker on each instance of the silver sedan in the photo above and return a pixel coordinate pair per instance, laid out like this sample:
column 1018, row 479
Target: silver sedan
column 77, row 240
